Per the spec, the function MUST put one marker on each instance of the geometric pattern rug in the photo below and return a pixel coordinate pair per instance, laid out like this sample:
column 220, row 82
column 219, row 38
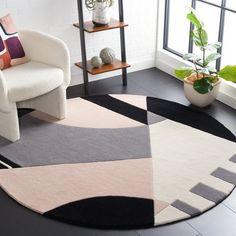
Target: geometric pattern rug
column 120, row 161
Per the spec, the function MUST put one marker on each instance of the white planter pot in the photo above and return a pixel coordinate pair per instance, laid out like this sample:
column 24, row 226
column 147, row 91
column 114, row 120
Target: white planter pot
column 197, row 99
column 101, row 14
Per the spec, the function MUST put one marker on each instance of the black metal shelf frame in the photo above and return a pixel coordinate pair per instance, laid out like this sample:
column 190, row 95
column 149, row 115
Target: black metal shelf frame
column 83, row 44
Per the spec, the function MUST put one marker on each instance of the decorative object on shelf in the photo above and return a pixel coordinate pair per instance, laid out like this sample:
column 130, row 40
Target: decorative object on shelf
column 202, row 81
column 107, row 55
column 101, row 11
column 96, row 62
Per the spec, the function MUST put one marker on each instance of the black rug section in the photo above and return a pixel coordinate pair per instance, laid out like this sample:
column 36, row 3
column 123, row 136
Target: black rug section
column 189, row 116
column 2, row 166
column 107, row 212
column 120, row 107
column 8, row 162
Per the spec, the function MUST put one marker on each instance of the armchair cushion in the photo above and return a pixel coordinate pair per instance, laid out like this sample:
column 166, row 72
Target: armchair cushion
column 11, row 50
column 31, row 79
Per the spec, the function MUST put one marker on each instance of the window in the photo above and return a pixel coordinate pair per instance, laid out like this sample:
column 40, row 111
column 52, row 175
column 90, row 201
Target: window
column 219, row 17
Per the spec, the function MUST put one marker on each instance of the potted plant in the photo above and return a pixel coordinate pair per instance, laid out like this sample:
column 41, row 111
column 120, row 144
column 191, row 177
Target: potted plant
column 100, row 9
column 202, row 81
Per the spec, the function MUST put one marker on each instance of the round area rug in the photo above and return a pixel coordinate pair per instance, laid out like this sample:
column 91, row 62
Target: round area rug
column 120, row 161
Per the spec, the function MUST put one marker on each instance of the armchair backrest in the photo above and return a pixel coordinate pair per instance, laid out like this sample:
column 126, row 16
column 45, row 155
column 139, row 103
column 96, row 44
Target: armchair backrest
column 47, row 49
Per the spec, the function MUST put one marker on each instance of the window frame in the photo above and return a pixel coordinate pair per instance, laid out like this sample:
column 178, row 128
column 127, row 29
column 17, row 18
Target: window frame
column 223, row 8
column 167, row 60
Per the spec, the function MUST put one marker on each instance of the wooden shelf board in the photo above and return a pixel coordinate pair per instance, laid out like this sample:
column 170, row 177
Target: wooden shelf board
column 116, row 65
column 91, row 28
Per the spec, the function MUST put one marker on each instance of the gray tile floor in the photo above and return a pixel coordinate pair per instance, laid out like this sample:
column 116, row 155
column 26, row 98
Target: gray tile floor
column 218, row 222
column 16, row 220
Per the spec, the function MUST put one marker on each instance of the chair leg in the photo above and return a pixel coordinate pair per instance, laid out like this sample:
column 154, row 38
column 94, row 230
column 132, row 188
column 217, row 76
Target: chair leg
column 9, row 125
column 53, row 103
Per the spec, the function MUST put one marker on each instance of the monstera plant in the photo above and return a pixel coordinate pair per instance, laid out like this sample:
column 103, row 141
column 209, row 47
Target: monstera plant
column 202, row 80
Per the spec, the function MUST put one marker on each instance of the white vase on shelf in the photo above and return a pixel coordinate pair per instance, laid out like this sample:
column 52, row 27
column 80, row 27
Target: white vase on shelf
column 101, row 14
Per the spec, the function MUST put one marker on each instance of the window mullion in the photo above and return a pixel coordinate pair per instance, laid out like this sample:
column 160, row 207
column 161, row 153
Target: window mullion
column 166, row 24
column 190, row 44
column 221, row 31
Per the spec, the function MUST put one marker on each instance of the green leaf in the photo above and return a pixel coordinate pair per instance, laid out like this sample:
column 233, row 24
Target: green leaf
column 211, row 69
column 213, row 46
column 200, row 37
column 204, row 70
column 183, row 72
column 228, row 73
column 197, row 42
column 195, row 34
column 191, row 57
column 203, row 37
column 194, row 20
column 203, row 85
column 212, row 57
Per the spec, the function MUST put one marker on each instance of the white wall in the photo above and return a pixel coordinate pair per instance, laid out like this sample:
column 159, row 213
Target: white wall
column 57, row 16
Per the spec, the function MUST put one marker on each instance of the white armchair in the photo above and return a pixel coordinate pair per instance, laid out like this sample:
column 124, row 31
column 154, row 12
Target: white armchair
column 39, row 84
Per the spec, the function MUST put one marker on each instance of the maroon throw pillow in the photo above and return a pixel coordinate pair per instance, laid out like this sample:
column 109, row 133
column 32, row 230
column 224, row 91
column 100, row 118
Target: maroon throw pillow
column 11, row 50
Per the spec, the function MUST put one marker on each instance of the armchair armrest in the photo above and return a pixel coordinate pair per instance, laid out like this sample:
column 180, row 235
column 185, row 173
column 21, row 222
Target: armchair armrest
column 4, row 102
column 47, row 49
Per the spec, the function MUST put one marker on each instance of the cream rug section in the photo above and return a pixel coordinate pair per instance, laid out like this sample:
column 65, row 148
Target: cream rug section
column 183, row 157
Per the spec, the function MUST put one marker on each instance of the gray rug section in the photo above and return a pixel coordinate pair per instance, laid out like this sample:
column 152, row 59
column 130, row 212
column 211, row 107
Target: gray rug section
column 208, row 192
column 233, row 158
column 188, row 209
column 44, row 143
column 154, row 118
column 225, row 175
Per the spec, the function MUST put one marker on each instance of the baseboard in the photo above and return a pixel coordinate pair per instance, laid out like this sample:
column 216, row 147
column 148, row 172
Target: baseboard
column 77, row 75
column 227, row 94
